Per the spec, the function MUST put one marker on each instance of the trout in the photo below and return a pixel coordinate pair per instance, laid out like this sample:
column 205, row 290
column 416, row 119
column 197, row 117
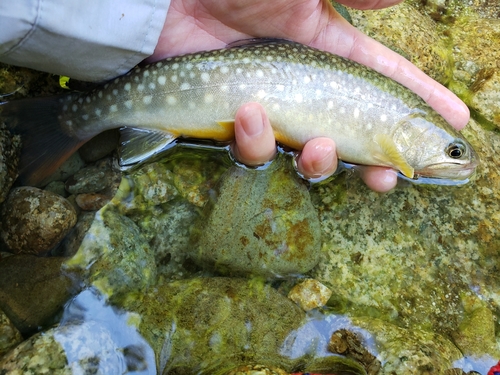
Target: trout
column 306, row 93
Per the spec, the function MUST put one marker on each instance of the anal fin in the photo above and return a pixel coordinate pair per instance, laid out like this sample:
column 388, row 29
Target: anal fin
column 138, row 145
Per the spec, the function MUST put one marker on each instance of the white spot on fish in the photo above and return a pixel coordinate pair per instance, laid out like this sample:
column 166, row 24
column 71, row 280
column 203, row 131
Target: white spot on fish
column 224, row 69
column 259, row 73
column 192, row 105
column 356, row 112
column 299, row 98
column 65, row 107
column 307, row 79
column 192, row 75
column 152, row 85
column 145, row 74
column 334, row 85
column 80, row 100
column 87, row 99
column 330, row 104
column 246, row 60
column 69, row 122
column 383, row 117
column 280, row 87
column 140, row 87
column 185, row 86
column 74, row 108
column 172, row 100
column 85, row 117
column 224, row 88
column 162, row 80
column 159, row 64
column 276, row 106
column 113, row 108
column 242, row 86
column 205, row 77
column 147, row 99
column 108, row 97
column 128, row 104
column 115, row 92
column 269, row 58
column 189, row 66
column 98, row 112
column 342, row 110
column 209, row 98
column 99, row 94
column 127, row 86
column 261, row 94
column 239, row 70
column 175, row 66
column 173, row 78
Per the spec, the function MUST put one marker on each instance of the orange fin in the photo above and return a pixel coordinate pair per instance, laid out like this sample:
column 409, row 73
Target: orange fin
column 45, row 146
column 391, row 155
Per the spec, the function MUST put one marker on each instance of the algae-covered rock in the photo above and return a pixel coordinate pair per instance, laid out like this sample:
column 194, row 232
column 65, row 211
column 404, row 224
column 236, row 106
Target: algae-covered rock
column 9, row 334
column 261, row 222
column 213, row 325
column 410, row 352
column 114, row 256
column 207, row 324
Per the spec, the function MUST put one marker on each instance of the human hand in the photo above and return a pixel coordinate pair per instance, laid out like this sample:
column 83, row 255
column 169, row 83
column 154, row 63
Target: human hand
column 195, row 25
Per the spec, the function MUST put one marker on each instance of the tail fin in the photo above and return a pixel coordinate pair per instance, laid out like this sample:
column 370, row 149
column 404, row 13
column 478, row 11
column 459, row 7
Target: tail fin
column 45, row 145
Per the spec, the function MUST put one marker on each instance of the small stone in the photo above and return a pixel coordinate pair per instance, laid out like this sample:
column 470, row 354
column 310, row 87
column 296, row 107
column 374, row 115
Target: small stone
column 257, row 370
column 57, row 187
column 310, row 294
column 91, row 201
column 34, row 220
column 100, row 146
column 89, row 180
column 67, row 169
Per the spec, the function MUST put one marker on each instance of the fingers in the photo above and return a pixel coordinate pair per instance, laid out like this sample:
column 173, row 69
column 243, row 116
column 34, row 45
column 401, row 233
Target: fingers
column 255, row 143
column 379, row 179
column 369, row 4
column 343, row 39
column 318, row 158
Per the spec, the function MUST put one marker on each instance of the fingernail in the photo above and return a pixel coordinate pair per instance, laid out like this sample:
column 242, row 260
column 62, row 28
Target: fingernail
column 252, row 122
column 325, row 163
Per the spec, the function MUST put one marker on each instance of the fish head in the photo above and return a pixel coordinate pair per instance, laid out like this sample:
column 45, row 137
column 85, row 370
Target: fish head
column 434, row 148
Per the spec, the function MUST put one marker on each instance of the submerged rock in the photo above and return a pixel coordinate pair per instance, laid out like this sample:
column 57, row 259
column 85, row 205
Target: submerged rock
column 310, row 294
column 32, row 290
column 33, row 220
column 114, row 256
column 261, row 222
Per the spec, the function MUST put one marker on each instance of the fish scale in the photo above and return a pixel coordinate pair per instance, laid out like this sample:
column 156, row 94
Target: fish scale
column 306, row 93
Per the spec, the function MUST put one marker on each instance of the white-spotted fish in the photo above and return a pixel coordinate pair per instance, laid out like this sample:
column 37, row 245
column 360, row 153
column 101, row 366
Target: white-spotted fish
column 306, row 92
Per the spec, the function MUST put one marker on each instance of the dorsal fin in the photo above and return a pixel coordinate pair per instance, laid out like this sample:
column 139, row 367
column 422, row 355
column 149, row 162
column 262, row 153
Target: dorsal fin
column 140, row 144
column 391, row 155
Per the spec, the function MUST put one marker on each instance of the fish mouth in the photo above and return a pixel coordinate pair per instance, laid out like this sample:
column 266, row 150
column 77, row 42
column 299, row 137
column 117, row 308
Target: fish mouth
column 449, row 171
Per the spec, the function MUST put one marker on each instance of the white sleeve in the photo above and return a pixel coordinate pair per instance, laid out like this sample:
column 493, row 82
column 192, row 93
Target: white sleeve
column 91, row 40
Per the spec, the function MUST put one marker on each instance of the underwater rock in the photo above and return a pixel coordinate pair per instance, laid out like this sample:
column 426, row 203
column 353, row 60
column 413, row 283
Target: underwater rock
column 167, row 229
column 10, row 149
column 476, row 334
column 410, row 352
column 100, row 146
column 58, row 188
column 256, row 370
column 91, row 201
column 32, row 290
column 114, row 256
column 67, row 169
column 91, row 179
column 213, row 325
column 9, row 334
column 261, row 222
column 33, row 220
column 349, row 343
column 310, row 294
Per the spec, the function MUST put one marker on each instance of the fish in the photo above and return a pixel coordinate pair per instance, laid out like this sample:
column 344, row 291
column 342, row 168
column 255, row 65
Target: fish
column 306, row 92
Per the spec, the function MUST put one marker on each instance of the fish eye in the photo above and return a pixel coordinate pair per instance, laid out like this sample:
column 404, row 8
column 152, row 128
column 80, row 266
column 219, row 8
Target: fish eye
column 455, row 150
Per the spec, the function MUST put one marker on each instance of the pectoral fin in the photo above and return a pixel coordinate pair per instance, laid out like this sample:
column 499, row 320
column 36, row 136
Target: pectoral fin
column 391, row 155
column 140, row 144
